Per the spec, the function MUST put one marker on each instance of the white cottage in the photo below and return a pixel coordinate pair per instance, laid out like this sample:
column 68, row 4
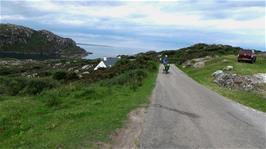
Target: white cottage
column 107, row 62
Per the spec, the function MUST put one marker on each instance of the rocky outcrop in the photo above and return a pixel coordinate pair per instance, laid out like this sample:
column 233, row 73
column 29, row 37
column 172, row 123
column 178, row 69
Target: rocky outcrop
column 196, row 62
column 34, row 68
column 18, row 40
column 235, row 81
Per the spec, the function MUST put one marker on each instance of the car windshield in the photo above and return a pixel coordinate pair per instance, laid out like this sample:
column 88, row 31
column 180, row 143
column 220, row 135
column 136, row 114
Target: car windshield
column 246, row 51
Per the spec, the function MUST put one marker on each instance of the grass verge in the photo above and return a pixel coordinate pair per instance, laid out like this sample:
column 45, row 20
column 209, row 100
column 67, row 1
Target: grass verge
column 74, row 116
column 252, row 99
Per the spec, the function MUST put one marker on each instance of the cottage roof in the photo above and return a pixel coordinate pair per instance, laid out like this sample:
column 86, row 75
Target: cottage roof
column 110, row 61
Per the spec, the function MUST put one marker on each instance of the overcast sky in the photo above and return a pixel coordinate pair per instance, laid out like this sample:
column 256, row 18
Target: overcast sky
column 145, row 24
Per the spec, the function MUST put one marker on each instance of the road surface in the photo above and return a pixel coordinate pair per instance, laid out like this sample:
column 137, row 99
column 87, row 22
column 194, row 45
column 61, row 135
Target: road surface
column 184, row 114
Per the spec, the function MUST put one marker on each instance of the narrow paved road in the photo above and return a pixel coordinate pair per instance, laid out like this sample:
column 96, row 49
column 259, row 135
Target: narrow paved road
column 184, row 114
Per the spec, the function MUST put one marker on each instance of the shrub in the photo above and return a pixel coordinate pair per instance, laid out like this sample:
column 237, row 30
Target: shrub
column 34, row 87
column 14, row 86
column 11, row 86
column 71, row 76
column 44, row 74
column 59, row 75
column 133, row 78
column 8, row 71
column 52, row 100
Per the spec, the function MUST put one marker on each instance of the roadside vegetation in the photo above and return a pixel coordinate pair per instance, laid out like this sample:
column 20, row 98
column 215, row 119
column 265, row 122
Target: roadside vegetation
column 64, row 110
column 254, row 99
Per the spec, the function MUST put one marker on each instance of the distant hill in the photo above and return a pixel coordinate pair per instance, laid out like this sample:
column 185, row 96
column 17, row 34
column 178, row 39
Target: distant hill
column 200, row 50
column 23, row 42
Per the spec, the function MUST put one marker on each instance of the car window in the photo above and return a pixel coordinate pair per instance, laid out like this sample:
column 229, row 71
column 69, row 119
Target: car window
column 247, row 51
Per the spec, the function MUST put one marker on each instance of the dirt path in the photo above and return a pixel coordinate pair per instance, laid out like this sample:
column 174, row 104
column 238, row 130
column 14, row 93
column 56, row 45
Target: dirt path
column 128, row 137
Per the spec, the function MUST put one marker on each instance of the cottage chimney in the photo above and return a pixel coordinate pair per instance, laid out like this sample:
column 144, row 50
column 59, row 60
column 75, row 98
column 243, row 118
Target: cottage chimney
column 104, row 58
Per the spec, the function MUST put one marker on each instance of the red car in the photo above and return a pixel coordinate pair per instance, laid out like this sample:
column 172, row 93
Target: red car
column 247, row 55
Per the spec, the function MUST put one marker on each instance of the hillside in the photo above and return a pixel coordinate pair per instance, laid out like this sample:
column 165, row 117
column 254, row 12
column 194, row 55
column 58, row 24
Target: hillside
column 23, row 42
column 200, row 50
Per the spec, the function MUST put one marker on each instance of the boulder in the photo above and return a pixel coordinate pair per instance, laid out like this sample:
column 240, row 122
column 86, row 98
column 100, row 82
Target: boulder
column 199, row 64
column 216, row 73
column 85, row 73
column 188, row 63
column 261, row 77
column 85, row 67
column 225, row 61
column 80, row 76
column 70, row 69
column 228, row 68
column 196, row 62
column 76, row 71
column 58, row 64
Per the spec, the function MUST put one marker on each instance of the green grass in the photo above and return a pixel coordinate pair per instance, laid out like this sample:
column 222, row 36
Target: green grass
column 75, row 116
column 249, row 98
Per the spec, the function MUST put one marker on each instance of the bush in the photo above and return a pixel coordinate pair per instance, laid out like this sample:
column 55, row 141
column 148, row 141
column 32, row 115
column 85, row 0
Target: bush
column 71, row 76
column 133, row 78
column 11, row 86
column 52, row 100
column 34, row 87
column 44, row 74
column 14, row 86
column 59, row 75
column 8, row 71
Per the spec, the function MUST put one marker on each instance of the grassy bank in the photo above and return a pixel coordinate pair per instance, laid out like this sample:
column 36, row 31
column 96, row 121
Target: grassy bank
column 250, row 98
column 72, row 113
column 77, row 115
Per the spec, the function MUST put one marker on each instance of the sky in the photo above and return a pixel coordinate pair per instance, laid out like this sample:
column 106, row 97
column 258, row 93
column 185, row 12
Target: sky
column 149, row 25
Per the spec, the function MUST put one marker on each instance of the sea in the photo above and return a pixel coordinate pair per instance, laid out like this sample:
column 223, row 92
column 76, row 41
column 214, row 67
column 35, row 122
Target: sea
column 100, row 51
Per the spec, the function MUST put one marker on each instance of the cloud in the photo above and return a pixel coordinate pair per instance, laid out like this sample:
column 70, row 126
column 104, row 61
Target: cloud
column 146, row 23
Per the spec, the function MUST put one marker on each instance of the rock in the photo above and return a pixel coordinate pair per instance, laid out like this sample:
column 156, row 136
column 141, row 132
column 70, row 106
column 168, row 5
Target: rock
column 23, row 74
column 85, row 67
column 34, row 75
column 199, row 65
column 261, row 77
column 86, row 72
column 80, row 76
column 228, row 68
column 76, row 71
column 216, row 73
column 235, row 81
column 188, row 63
column 225, row 61
column 70, row 69
column 197, row 62
column 3, row 63
column 58, row 64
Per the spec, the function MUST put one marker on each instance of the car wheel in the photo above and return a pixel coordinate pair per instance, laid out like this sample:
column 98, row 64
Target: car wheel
column 252, row 61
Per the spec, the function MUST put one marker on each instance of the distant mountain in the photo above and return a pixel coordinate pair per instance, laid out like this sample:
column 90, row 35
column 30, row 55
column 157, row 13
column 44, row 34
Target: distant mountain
column 23, row 42
column 201, row 50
